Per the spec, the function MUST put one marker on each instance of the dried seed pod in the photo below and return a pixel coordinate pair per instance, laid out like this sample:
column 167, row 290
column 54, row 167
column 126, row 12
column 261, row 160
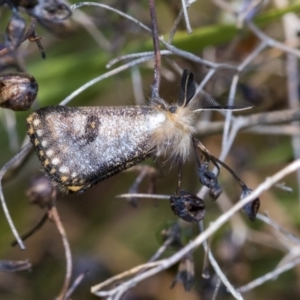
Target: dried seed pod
column 188, row 207
column 15, row 31
column 186, row 272
column 210, row 180
column 41, row 191
column 215, row 191
column 50, row 11
column 17, row 91
column 207, row 178
column 252, row 207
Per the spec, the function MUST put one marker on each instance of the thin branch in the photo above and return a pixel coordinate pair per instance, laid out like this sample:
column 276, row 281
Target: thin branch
column 157, row 64
column 38, row 226
column 205, row 80
column 289, row 130
column 174, row 50
column 127, row 273
column 186, row 16
column 140, row 195
column 75, row 284
column 126, row 16
column 217, row 288
column 86, row 22
column 291, row 29
column 162, row 249
column 262, row 45
column 269, row 276
column 228, row 137
column 103, row 76
column 156, row 255
column 248, row 12
column 175, row 26
column 10, row 171
column 9, row 266
column 192, row 57
column 17, row 158
column 282, row 186
column 275, row 117
column 279, row 228
column 271, row 42
column 53, row 215
column 217, row 268
column 135, row 55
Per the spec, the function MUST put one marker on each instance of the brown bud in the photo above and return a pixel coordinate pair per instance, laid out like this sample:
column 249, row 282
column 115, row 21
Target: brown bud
column 41, row 191
column 17, row 91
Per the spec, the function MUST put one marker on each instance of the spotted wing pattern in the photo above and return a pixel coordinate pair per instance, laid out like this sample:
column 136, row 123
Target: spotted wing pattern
column 80, row 146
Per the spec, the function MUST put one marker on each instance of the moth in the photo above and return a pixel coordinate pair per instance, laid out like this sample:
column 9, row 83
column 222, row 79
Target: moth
column 81, row 146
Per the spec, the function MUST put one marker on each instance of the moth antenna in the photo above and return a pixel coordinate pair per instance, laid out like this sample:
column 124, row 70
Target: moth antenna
column 207, row 102
column 187, row 88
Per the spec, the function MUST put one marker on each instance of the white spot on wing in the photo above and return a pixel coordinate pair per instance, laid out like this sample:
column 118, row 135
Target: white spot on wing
column 36, row 122
column 44, row 143
column 64, row 169
column 55, row 161
column 39, row 132
column 49, row 152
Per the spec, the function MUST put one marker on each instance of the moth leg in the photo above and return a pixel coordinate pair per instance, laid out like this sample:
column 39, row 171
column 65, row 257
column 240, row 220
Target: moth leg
column 155, row 173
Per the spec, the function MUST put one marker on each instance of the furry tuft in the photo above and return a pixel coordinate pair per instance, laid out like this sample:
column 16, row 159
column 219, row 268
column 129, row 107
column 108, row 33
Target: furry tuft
column 172, row 138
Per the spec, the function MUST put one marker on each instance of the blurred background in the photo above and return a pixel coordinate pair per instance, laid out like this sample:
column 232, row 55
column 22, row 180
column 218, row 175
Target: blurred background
column 107, row 235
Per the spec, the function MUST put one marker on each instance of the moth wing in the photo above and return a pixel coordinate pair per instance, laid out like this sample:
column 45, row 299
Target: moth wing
column 80, row 146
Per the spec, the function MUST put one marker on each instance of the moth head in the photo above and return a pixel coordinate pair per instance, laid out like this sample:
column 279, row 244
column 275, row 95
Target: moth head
column 172, row 139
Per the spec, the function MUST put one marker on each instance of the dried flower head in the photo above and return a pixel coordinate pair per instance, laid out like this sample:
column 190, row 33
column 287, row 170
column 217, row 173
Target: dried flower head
column 41, row 191
column 17, row 91
column 251, row 208
column 188, row 207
